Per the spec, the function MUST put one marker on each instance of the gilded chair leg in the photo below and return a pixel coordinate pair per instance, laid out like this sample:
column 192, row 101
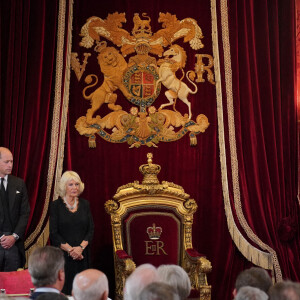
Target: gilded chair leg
column 205, row 292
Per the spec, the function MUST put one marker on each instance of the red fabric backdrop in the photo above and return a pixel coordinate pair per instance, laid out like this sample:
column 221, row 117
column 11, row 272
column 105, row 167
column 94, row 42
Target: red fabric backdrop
column 262, row 41
column 28, row 40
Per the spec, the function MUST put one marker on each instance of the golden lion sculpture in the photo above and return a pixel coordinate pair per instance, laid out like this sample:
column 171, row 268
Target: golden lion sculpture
column 112, row 65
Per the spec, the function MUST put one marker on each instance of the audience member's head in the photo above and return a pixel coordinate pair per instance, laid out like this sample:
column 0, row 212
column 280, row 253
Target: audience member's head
column 285, row 290
column 158, row 291
column 90, row 284
column 46, row 267
column 176, row 277
column 51, row 296
column 138, row 280
column 255, row 277
column 250, row 293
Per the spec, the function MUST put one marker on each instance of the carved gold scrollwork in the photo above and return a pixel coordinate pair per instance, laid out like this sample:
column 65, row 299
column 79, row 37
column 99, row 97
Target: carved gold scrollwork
column 197, row 270
column 111, row 206
column 191, row 206
column 205, row 292
column 123, row 267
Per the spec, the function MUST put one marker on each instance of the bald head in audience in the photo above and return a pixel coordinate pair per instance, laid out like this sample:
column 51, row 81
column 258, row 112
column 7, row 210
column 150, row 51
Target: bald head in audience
column 90, row 284
column 138, row 280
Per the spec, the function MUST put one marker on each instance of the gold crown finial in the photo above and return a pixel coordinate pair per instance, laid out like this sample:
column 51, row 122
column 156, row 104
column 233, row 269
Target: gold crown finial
column 150, row 156
column 150, row 171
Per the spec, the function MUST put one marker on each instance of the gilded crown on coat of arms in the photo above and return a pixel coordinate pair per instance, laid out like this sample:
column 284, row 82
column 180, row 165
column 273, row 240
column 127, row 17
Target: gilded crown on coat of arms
column 141, row 79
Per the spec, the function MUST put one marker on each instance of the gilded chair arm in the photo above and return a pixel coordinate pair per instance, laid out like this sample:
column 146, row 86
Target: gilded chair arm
column 197, row 266
column 193, row 253
column 124, row 266
column 121, row 254
column 125, row 263
column 203, row 264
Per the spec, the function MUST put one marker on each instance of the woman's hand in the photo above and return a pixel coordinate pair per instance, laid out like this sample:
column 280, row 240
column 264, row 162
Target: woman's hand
column 66, row 247
column 76, row 253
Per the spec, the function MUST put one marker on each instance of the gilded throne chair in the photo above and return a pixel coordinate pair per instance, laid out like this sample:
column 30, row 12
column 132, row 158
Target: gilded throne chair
column 152, row 223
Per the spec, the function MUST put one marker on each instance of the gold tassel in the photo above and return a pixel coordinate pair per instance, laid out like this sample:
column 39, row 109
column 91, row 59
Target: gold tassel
column 193, row 140
column 92, row 141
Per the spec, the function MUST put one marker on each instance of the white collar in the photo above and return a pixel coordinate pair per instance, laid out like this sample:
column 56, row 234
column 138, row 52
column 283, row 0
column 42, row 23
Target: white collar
column 46, row 289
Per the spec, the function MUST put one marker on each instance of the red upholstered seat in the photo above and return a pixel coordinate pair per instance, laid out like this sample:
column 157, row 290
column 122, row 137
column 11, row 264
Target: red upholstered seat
column 17, row 282
column 163, row 248
column 152, row 223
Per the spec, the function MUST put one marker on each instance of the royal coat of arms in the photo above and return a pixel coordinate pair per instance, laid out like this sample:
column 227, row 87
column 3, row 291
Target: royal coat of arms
column 155, row 65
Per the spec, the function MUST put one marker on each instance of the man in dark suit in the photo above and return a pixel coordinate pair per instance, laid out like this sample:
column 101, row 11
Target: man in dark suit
column 46, row 268
column 14, row 214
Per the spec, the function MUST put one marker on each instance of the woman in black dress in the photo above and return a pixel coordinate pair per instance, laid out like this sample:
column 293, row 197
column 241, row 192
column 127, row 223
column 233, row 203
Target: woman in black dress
column 71, row 227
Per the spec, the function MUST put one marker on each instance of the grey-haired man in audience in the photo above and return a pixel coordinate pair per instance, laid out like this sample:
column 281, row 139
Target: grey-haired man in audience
column 250, row 293
column 158, row 291
column 176, row 277
column 285, row 290
column 138, row 280
column 254, row 277
column 46, row 268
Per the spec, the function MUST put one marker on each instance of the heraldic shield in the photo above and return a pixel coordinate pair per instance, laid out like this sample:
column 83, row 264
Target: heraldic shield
column 152, row 223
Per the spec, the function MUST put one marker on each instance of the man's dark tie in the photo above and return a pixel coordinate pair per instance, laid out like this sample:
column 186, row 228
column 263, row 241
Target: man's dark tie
column 2, row 185
column 2, row 201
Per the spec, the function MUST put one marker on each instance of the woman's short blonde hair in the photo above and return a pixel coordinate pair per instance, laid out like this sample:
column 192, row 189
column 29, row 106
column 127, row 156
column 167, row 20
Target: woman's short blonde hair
column 65, row 178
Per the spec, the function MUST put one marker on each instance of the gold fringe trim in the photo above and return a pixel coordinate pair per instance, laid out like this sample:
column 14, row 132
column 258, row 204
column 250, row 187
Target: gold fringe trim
column 232, row 142
column 58, row 124
column 267, row 260
column 41, row 242
column 64, row 116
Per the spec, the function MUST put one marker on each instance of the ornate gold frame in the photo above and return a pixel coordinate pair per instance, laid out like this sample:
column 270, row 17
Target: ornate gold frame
column 148, row 194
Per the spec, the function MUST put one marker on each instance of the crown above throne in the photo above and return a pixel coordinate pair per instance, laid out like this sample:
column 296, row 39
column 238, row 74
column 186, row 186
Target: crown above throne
column 150, row 171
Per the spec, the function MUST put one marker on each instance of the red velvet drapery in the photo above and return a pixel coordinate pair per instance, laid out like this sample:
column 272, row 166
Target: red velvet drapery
column 28, row 40
column 262, row 44
column 264, row 92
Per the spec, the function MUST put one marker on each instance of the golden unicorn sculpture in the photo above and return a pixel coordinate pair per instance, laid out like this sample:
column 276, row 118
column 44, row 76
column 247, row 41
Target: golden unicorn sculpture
column 176, row 88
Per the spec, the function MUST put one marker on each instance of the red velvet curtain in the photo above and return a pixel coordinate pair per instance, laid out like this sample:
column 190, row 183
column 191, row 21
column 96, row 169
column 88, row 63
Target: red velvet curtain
column 262, row 44
column 263, row 62
column 28, row 41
